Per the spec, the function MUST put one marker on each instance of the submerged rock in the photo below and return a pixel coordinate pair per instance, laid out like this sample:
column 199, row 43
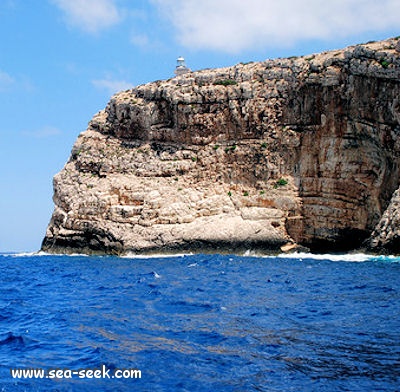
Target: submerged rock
column 302, row 151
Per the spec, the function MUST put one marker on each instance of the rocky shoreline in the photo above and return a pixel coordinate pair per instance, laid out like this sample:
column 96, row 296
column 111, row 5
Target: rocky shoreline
column 297, row 153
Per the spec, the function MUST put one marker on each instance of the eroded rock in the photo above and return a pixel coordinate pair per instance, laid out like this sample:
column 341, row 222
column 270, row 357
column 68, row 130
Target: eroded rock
column 256, row 156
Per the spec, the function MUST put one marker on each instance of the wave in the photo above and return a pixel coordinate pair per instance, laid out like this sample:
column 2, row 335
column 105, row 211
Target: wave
column 155, row 256
column 41, row 254
column 12, row 339
column 354, row 257
column 20, row 254
column 349, row 257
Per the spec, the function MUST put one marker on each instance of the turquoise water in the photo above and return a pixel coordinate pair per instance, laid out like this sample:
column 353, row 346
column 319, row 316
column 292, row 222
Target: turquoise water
column 202, row 322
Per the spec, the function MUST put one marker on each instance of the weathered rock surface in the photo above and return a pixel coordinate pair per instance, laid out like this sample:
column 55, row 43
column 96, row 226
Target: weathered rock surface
column 386, row 236
column 255, row 156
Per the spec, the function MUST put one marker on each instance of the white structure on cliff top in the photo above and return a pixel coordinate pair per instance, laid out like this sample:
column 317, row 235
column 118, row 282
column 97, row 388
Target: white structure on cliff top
column 181, row 67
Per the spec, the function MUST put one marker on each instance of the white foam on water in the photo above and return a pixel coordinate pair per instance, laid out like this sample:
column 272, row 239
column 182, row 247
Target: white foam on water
column 41, row 253
column 26, row 254
column 155, row 256
column 349, row 257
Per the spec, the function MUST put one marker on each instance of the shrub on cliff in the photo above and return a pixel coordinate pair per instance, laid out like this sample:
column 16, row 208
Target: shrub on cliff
column 225, row 82
column 280, row 182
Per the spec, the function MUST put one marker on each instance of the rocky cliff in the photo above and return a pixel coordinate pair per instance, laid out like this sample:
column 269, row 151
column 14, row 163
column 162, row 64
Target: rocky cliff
column 256, row 156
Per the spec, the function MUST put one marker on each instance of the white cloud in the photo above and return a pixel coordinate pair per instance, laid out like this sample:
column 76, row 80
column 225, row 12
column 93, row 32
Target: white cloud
column 42, row 133
column 144, row 42
column 7, row 5
column 140, row 40
column 16, row 83
column 90, row 15
column 235, row 25
column 6, row 81
column 112, row 86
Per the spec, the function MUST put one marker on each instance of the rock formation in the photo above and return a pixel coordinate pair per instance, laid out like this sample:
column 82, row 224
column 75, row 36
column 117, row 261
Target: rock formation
column 255, row 156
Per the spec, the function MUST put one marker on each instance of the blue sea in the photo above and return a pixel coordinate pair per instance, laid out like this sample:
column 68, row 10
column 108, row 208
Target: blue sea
column 201, row 322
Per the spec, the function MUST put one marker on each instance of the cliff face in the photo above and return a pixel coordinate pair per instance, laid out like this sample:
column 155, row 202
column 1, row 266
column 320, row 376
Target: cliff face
column 255, row 156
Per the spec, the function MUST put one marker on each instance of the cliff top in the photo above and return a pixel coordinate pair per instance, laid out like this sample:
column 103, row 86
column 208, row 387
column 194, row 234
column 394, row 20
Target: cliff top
column 376, row 55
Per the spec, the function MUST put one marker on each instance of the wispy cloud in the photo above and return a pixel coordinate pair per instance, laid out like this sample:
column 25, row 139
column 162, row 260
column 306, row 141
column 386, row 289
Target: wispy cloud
column 7, row 5
column 112, row 86
column 235, row 25
column 90, row 16
column 140, row 40
column 43, row 133
column 145, row 42
column 6, row 81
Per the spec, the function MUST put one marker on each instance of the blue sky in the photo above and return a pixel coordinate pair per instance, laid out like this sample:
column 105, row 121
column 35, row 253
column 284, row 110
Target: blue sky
column 61, row 60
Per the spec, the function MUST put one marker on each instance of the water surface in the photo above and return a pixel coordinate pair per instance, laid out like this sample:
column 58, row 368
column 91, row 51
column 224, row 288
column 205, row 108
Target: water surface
column 203, row 322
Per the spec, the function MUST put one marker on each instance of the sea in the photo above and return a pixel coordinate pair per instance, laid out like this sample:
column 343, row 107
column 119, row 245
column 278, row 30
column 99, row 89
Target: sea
column 203, row 322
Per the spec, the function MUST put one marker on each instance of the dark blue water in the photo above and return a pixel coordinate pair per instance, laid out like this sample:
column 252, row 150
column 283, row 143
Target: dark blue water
column 202, row 323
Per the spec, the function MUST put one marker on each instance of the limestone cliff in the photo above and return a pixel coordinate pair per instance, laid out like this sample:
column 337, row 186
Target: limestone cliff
column 299, row 150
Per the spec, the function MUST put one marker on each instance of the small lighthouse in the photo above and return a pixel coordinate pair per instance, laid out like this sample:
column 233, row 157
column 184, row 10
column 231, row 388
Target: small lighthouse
column 181, row 68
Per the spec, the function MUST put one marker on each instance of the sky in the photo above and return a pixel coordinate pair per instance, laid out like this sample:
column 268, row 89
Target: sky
column 61, row 60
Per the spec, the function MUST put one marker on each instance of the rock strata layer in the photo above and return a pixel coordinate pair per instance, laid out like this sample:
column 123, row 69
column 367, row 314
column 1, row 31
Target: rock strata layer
column 298, row 151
